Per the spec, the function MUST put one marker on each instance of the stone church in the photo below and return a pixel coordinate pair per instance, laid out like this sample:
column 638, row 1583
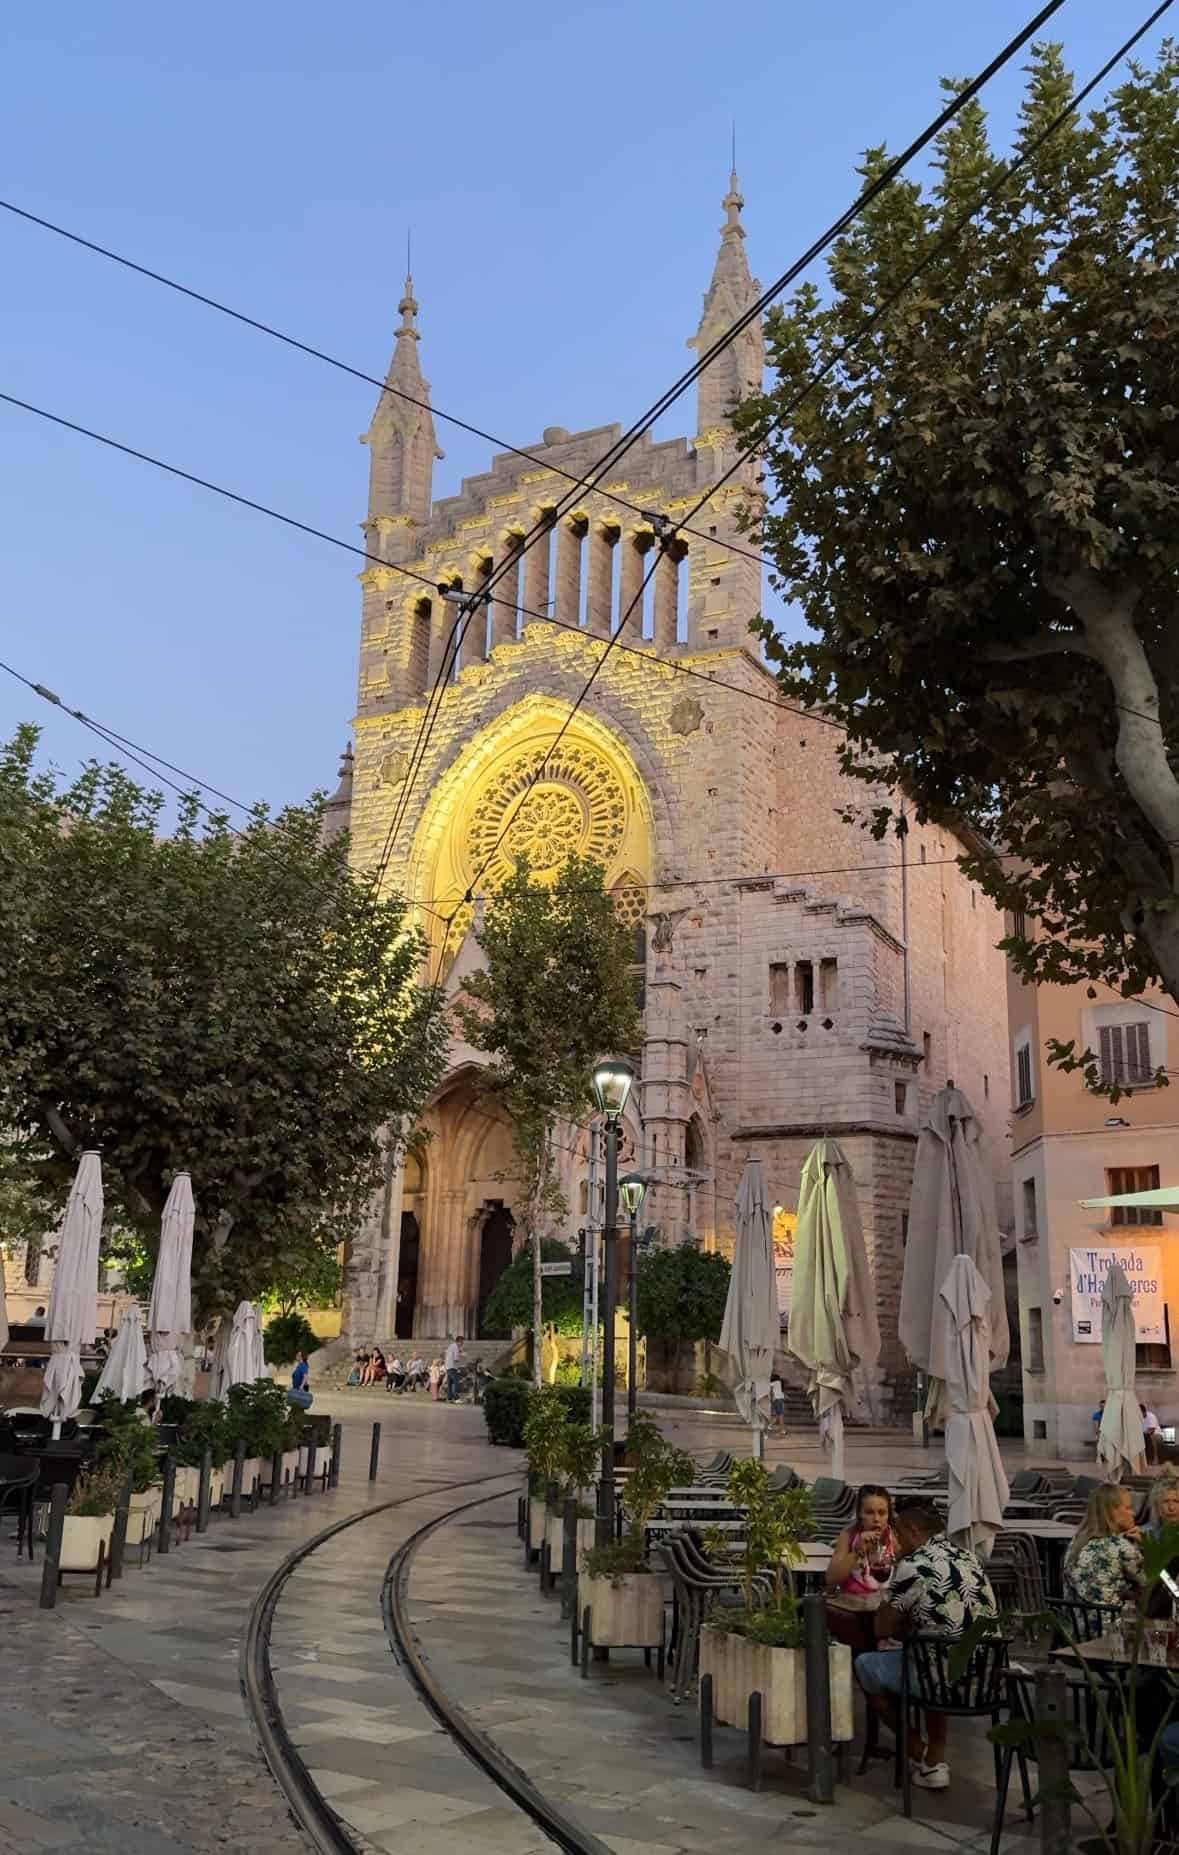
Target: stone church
column 800, row 979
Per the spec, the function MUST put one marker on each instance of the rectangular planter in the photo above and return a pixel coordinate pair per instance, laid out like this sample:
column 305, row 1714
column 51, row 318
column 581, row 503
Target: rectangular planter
column 81, row 1537
column 556, row 1539
column 627, row 1612
column 537, row 1516
column 216, row 1486
column 740, row 1668
column 187, row 1487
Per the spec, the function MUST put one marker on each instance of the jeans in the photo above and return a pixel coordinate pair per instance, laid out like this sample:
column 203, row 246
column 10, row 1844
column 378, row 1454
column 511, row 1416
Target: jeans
column 301, row 1398
column 452, row 1383
column 879, row 1671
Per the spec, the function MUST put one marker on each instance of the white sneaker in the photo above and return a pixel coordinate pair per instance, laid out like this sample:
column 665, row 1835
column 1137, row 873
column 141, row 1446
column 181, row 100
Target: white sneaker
column 930, row 1777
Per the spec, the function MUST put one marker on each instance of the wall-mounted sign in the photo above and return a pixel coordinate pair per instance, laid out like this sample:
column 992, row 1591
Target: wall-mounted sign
column 556, row 1268
column 1143, row 1263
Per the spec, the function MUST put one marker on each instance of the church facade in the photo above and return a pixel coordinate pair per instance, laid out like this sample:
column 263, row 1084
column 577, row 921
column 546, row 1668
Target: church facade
column 800, row 979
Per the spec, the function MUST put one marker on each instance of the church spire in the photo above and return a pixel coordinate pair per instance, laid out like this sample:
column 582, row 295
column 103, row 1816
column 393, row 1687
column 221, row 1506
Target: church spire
column 731, row 292
column 401, row 437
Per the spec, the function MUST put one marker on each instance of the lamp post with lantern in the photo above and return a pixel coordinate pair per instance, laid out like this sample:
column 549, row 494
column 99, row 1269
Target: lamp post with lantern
column 632, row 1190
column 613, row 1076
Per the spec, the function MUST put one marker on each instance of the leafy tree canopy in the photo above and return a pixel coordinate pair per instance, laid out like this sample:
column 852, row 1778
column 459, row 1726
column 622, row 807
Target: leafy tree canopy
column 232, row 1003
column 510, row 1302
column 977, row 512
column 681, row 1293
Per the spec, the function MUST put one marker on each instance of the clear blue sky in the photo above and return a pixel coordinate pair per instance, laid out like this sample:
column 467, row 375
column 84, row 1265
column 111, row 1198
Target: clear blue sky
column 562, row 174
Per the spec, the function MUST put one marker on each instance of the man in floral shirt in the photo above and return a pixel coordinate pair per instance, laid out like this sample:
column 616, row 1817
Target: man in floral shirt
column 937, row 1588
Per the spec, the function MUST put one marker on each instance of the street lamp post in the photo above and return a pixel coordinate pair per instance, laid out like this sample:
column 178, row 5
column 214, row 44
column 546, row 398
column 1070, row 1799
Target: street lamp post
column 632, row 1191
column 613, row 1076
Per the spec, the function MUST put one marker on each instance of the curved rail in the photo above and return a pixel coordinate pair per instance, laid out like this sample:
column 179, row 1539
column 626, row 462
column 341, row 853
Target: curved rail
column 311, row 1810
column 516, row 1784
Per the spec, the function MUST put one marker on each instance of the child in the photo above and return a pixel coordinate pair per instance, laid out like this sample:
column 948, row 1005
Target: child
column 435, row 1378
column 778, row 1406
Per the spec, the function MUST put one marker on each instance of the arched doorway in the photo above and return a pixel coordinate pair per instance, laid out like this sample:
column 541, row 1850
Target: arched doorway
column 407, row 1274
column 495, row 1253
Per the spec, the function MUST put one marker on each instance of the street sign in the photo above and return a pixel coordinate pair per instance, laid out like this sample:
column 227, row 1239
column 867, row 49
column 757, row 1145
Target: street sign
column 557, row 1268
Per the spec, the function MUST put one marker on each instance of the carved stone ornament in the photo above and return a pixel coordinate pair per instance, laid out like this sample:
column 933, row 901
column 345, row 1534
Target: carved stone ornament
column 686, row 716
column 394, row 768
column 577, row 806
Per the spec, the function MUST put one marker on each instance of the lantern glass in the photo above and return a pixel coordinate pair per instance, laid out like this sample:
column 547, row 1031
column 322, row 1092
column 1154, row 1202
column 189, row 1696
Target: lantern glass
column 632, row 1192
column 613, row 1076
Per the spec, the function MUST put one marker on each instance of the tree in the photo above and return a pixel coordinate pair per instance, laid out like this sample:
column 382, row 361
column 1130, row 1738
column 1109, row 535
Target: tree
column 232, row 1003
column 556, row 993
column 511, row 1302
column 680, row 1296
column 976, row 511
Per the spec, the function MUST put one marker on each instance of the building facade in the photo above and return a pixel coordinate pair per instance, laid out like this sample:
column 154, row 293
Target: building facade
column 1070, row 1143
column 801, row 979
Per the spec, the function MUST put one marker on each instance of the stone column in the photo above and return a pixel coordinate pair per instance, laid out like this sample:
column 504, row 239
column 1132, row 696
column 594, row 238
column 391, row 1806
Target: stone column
column 667, row 583
column 631, row 567
column 442, row 1278
column 536, row 580
column 442, row 620
column 391, row 1247
column 568, row 589
column 600, row 580
column 474, row 646
column 506, row 594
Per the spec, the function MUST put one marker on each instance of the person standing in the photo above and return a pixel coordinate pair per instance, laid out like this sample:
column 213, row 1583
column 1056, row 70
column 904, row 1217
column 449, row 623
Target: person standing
column 300, row 1391
column 454, row 1354
column 1151, row 1429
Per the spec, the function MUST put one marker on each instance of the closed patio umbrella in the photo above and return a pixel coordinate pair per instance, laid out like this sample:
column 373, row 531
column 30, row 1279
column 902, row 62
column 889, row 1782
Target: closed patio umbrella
column 73, row 1300
column 749, row 1334
column 219, row 1365
column 1121, row 1446
column 125, row 1373
column 169, row 1316
column 241, row 1360
column 833, row 1325
column 259, row 1344
column 951, row 1213
column 3, row 1308
column 978, row 1489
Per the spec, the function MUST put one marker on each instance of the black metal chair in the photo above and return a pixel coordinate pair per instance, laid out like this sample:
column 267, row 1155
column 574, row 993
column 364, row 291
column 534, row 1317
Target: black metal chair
column 926, row 1686
column 18, row 1478
column 1088, row 1746
column 1083, row 1621
column 1026, row 1483
column 1017, row 1562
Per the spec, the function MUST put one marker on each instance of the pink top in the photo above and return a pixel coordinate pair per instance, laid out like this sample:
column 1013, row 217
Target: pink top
column 862, row 1583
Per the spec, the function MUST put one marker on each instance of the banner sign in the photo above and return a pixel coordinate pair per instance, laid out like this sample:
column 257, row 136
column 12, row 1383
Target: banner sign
column 783, row 1235
column 1143, row 1264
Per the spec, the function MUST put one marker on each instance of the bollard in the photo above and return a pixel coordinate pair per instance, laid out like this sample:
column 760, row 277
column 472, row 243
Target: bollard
column 374, row 1454
column 1052, row 1709
column 239, row 1464
column 119, row 1535
column 166, row 1499
column 203, row 1492
column 820, row 1762
column 337, row 1445
column 275, row 1475
column 51, row 1564
column 312, row 1451
column 754, row 1747
column 569, row 1558
column 706, row 1722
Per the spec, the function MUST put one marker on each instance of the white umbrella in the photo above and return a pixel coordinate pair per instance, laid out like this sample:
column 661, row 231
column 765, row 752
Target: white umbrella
column 73, row 1301
column 749, row 1333
column 3, row 1307
column 259, row 1344
column 219, row 1367
column 978, row 1487
column 833, row 1325
column 951, row 1213
column 125, row 1373
column 170, row 1315
column 1120, row 1442
column 241, row 1359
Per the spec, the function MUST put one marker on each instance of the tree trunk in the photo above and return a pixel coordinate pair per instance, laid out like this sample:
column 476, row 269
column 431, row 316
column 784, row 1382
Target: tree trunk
column 537, row 1306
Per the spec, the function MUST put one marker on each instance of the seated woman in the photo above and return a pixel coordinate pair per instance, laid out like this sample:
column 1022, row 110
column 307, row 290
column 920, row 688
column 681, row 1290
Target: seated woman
column 862, row 1561
column 380, row 1369
column 1104, row 1563
column 396, row 1371
column 300, row 1391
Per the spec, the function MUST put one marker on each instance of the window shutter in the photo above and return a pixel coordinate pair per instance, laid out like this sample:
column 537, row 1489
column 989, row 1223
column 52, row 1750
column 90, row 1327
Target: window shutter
column 1139, row 1040
column 1106, row 1053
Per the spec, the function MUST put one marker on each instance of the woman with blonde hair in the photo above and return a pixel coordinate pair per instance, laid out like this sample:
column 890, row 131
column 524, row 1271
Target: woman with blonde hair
column 1164, row 1500
column 1104, row 1561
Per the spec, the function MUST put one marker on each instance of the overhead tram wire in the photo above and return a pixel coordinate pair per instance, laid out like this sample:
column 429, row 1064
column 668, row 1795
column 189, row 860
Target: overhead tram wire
column 356, row 373
column 618, row 450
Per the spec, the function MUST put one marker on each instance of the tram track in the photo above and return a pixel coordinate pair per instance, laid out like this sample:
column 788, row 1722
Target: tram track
column 328, row 1833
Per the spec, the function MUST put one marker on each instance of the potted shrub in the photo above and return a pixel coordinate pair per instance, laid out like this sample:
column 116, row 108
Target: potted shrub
column 758, row 1647
column 129, row 1448
column 257, row 1415
column 205, row 1426
column 292, row 1442
column 544, row 1427
column 90, row 1519
column 623, row 1595
column 579, row 1457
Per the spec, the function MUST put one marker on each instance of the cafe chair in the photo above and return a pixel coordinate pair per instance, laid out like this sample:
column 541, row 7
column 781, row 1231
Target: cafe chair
column 979, row 1692
column 1083, row 1621
column 1087, row 1744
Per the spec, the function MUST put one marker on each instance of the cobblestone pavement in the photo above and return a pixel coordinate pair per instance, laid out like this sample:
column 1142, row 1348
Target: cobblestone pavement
column 125, row 1729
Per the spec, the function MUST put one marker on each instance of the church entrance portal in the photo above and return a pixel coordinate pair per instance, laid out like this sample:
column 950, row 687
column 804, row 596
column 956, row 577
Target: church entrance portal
column 407, row 1275
column 495, row 1253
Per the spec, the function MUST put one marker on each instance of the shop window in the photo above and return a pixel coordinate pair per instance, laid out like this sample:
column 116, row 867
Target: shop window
column 1120, row 1180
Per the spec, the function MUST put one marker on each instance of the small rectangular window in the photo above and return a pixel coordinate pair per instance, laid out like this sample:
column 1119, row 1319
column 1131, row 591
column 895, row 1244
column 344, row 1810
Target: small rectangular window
column 923, row 853
column 1035, row 1340
column 986, row 1088
column 1155, row 1355
column 829, row 985
column 1125, row 1053
column 900, row 1092
column 779, row 989
column 904, row 1228
column 1039, row 1429
column 1024, row 1091
column 926, row 1047
column 1121, row 1180
column 1030, row 1225
column 1019, row 925
column 973, row 899
column 804, row 987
